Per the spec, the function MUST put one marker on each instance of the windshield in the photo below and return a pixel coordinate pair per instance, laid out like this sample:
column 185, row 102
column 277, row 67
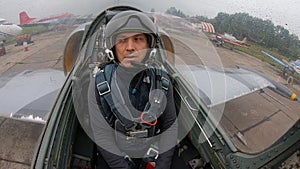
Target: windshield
column 237, row 59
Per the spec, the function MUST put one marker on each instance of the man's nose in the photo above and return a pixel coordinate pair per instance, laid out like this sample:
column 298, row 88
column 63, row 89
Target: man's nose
column 130, row 44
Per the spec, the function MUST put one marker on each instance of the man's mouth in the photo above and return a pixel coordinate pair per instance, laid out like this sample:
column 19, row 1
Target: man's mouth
column 130, row 56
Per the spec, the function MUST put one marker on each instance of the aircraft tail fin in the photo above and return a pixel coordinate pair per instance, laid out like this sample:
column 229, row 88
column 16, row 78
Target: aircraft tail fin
column 24, row 18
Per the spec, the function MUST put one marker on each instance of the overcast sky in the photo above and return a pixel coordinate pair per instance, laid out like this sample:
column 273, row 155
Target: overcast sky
column 282, row 12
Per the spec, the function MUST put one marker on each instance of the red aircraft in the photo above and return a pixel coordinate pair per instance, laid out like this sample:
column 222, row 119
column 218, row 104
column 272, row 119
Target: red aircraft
column 25, row 20
column 220, row 39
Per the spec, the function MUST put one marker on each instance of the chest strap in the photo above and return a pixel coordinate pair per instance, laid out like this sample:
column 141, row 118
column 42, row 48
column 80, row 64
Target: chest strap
column 120, row 110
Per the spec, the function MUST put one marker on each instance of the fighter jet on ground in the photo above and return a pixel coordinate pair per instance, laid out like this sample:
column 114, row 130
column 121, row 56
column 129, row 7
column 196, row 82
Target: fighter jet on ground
column 221, row 39
column 7, row 30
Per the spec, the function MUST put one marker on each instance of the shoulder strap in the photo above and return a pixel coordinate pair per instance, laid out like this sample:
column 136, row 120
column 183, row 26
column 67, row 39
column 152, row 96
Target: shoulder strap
column 160, row 80
column 120, row 111
column 165, row 81
column 102, row 86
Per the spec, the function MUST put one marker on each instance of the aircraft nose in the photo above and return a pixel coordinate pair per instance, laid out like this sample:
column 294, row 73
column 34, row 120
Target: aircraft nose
column 18, row 29
column 14, row 30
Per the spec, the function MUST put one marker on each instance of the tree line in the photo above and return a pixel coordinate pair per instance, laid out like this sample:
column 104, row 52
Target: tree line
column 262, row 32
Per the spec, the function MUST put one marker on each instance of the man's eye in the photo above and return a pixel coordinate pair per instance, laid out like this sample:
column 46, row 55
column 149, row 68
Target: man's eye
column 139, row 38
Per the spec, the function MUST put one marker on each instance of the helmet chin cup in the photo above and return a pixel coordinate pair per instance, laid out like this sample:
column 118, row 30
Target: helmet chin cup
column 109, row 54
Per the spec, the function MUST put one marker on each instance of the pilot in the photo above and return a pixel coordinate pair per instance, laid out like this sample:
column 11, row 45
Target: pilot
column 131, row 105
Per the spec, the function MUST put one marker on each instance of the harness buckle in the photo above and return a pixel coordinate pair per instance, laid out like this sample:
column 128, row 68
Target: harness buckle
column 138, row 133
column 103, row 88
column 152, row 153
column 165, row 83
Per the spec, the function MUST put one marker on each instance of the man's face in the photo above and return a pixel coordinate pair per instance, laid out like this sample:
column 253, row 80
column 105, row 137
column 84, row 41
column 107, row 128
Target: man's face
column 131, row 47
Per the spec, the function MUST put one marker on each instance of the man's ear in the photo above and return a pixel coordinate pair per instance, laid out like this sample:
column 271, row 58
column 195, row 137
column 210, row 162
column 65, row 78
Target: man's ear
column 149, row 40
column 113, row 49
